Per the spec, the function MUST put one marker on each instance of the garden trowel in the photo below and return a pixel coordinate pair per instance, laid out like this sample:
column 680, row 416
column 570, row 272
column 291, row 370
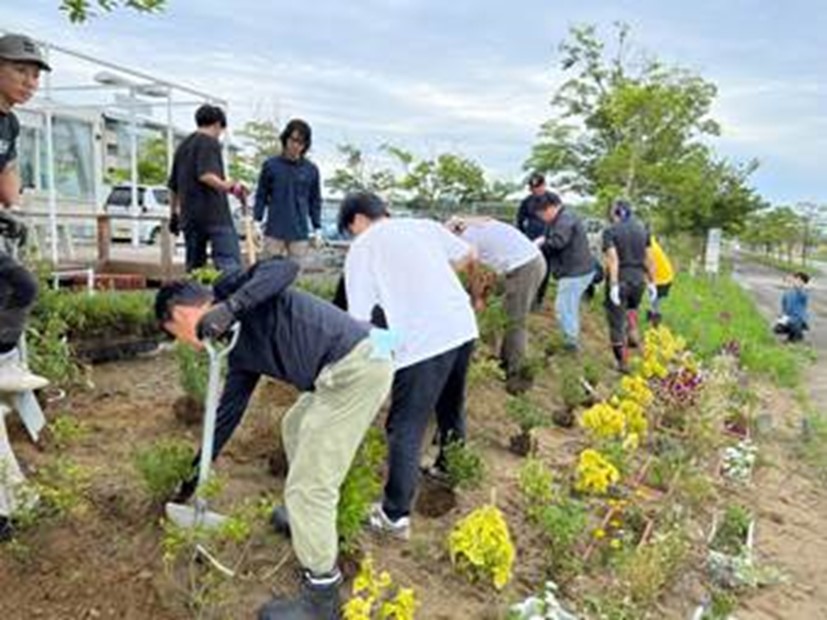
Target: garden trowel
column 197, row 515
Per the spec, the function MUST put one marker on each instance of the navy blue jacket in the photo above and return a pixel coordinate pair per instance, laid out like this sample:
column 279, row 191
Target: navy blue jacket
column 528, row 222
column 286, row 334
column 289, row 192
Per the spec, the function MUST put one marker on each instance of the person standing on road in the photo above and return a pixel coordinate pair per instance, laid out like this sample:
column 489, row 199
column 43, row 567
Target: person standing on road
column 629, row 267
column 344, row 370
column 408, row 267
column 198, row 195
column 21, row 62
column 289, row 194
column 571, row 262
column 509, row 254
column 533, row 227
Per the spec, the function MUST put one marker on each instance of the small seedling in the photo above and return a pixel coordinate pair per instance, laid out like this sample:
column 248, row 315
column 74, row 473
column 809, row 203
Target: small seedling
column 163, row 465
column 464, row 465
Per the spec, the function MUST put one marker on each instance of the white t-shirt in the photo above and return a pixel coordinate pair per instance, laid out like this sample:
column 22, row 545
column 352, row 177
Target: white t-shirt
column 501, row 247
column 403, row 265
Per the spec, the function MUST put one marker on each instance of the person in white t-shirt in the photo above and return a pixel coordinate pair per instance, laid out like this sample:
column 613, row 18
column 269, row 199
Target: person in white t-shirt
column 408, row 268
column 505, row 250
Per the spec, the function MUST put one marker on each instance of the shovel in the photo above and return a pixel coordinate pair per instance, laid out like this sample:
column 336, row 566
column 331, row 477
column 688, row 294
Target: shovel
column 196, row 516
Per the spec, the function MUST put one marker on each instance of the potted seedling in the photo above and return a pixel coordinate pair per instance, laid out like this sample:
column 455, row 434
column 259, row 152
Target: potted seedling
column 573, row 393
column 730, row 546
column 738, row 461
column 464, row 468
column 625, row 526
column 527, row 416
column 737, row 424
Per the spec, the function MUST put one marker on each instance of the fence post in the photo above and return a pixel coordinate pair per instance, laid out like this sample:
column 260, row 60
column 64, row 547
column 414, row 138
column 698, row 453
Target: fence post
column 104, row 238
column 166, row 249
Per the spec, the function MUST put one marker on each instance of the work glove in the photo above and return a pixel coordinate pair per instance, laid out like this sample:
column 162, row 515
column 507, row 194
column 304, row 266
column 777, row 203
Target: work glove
column 174, row 224
column 216, row 322
column 653, row 292
column 13, row 228
column 239, row 190
column 539, row 241
column 316, row 239
column 614, row 294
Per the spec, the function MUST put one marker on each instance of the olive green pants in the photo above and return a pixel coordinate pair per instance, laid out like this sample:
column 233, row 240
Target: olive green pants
column 321, row 433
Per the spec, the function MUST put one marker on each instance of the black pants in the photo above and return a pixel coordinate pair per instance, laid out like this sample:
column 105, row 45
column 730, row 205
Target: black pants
column 18, row 291
column 224, row 247
column 631, row 294
column 435, row 384
column 794, row 330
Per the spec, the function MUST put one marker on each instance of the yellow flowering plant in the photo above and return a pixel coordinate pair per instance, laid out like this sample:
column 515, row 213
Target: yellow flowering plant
column 595, row 473
column 636, row 388
column 375, row 597
column 480, row 546
column 604, row 420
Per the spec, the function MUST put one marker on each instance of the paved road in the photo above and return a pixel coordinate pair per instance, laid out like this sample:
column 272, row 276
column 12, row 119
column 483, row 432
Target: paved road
column 765, row 283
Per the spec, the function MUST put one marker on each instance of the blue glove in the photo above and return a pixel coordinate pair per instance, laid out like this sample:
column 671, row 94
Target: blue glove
column 384, row 343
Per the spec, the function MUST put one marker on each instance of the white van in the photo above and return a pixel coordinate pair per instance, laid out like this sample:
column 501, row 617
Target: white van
column 152, row 200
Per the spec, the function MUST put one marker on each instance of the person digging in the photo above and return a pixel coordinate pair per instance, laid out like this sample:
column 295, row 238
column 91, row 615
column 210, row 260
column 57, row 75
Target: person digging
column 344, row 370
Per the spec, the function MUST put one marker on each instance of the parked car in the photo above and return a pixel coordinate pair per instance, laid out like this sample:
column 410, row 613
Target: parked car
column 152, row 200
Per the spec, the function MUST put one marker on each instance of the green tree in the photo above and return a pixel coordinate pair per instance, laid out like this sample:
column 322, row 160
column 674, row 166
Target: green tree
column 356, row 173
column 260, row 140
column 79, row 11
column 633, row 127
column 152, row 164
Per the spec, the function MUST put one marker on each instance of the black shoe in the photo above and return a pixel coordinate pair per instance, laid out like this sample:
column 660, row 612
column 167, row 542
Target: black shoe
column 280, row 520
column 6, row 529
column 184, row 491
column 318, row 600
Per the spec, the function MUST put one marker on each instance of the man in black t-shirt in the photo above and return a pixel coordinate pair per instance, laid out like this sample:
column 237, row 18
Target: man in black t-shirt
column 199, row 195
column 629, row 271
column 533, row 227
column 21, row 62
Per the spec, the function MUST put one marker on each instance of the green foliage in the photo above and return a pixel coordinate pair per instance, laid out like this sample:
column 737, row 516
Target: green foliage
column 592, row 370
column 563, row 524
column 484, row 370
column 492, row 321
column 193, row 371
column 163, row 465
column 357, row 173
column 206, row 275
column 260, row 140
column 78, row 11
column 464, row 465
column 639, row 130
column 56, row 490
column 66, row 430
column 571, row 387
column 813, row 448
column 712, row 312
column 524, row 413
column 50, row 354
column 731, row 533
column 648, row 569
column 324, row 288
column 536, row 485
column 361, row 487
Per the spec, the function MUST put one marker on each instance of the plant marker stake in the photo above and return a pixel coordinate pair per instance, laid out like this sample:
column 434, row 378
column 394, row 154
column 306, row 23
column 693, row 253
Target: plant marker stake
column 198, row 516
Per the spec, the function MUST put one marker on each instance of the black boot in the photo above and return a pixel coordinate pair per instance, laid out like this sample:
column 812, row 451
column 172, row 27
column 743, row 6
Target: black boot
column 318, row 600
column 6, row 529
column 280, row 520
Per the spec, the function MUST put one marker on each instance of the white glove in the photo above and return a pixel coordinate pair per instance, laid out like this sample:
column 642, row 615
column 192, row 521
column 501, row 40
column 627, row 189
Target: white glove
column 614, row 294
column 539, row 241
column 653, row 292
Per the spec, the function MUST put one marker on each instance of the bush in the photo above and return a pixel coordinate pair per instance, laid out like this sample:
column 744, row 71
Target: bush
column 464, row 465
column 480, row 546
column 524, row 413
column 361, row 487
column 163, row 465
column 193, row 372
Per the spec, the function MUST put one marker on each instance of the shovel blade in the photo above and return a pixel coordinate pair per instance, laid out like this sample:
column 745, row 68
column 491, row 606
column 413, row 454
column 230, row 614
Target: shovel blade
column 190, row 517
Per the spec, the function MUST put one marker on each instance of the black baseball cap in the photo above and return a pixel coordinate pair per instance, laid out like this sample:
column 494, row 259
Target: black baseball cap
column 20, row 48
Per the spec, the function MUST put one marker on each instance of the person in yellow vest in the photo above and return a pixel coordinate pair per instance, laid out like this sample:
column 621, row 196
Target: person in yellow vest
column 664, row 274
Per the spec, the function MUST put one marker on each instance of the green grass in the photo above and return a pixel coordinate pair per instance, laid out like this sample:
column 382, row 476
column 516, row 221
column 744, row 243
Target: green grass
column 711, row 312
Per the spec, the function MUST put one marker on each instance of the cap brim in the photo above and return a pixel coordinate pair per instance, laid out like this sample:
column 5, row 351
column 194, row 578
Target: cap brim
column 28, row 59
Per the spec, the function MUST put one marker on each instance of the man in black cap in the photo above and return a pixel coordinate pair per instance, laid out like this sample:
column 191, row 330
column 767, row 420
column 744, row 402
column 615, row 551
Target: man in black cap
column 21, row 62
column 533, row 226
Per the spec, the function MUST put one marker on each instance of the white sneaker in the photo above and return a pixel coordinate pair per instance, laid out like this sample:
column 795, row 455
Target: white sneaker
column 381, row 523
column 14, row 377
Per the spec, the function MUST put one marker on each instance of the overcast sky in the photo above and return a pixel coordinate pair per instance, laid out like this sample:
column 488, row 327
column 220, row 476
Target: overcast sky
column 471, row 76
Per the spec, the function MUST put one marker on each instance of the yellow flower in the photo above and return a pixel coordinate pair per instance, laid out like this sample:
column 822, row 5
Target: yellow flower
column 595, row 474
column 615, row 543
column 599, row 534
column 481, row 543
column 358, row 609
column 615, row 523
column 631, row 442
column 604, row 420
